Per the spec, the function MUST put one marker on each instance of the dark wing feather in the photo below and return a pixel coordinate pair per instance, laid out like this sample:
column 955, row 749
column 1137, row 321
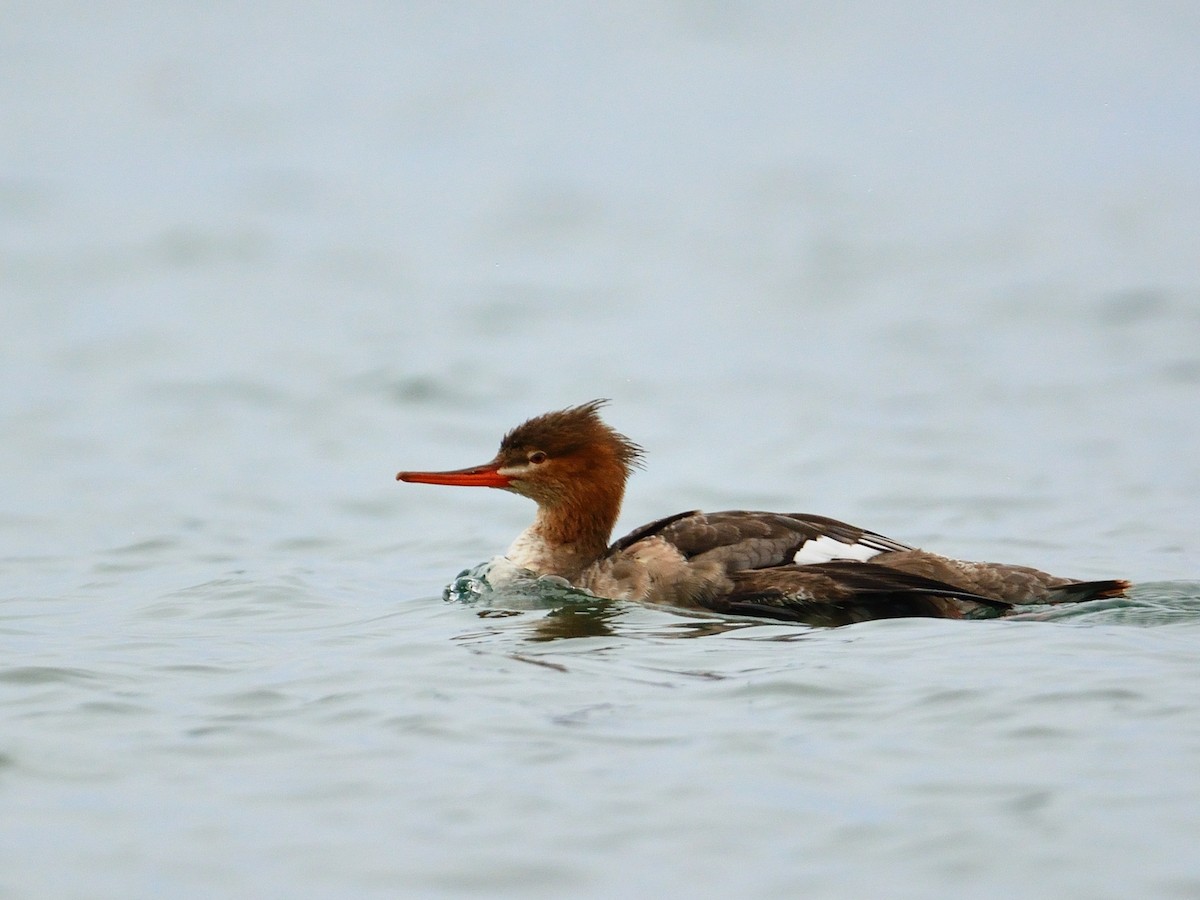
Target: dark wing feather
column 822, row 526
column 838, row 593
column 650, row 529
column 752, row 540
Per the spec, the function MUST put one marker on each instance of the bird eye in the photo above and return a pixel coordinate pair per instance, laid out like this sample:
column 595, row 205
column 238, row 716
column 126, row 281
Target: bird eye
column 537, row 457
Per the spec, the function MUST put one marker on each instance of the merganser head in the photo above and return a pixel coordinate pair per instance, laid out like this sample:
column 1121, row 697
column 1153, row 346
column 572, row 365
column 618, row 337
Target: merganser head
column 557, row 457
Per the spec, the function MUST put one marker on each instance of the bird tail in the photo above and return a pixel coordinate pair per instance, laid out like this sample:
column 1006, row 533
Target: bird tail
column 1078, row 591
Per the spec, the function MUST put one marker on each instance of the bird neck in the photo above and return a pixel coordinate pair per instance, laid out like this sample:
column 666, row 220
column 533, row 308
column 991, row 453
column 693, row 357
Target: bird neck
column 571, row 533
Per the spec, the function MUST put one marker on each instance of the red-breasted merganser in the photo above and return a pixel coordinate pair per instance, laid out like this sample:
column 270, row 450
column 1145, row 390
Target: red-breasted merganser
column 790, row 566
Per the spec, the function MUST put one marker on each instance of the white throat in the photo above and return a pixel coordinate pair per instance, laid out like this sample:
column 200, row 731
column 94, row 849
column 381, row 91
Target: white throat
column 531, row 551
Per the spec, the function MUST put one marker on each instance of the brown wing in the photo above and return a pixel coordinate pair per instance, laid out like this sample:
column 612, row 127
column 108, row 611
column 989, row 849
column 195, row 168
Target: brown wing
column 815, row 569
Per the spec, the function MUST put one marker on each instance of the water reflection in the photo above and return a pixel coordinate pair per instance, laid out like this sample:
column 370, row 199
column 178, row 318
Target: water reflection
column 577, row 620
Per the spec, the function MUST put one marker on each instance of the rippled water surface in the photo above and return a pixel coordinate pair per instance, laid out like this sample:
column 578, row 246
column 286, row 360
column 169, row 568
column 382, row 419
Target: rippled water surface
column 932, row 273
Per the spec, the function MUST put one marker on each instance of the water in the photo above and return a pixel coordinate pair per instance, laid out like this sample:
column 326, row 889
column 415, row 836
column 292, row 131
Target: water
column 935, row 274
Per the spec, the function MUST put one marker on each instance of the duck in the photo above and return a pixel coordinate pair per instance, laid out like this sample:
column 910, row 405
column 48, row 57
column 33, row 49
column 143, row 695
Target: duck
column 794, row 567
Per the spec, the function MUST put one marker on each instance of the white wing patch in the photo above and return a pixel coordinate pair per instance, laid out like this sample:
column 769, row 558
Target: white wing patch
column 826, row 549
